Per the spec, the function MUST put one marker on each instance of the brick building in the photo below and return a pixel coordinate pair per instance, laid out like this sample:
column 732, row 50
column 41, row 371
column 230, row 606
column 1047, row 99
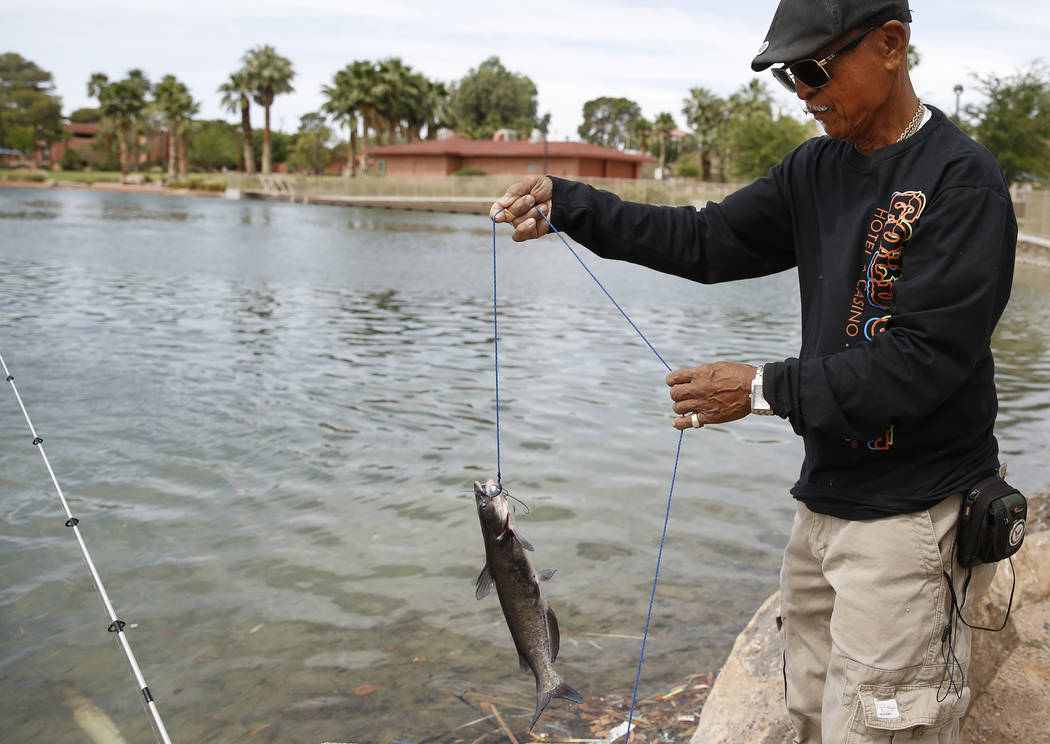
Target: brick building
column 448, row 156
column 81, row 137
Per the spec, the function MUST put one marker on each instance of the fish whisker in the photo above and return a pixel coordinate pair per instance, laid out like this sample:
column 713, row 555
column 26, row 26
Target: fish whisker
column 526, row 506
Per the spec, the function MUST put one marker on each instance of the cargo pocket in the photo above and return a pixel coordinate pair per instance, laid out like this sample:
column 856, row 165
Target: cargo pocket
column 905, row 713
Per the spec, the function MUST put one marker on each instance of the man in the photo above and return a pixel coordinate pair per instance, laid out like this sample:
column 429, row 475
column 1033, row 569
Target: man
column 903, row 233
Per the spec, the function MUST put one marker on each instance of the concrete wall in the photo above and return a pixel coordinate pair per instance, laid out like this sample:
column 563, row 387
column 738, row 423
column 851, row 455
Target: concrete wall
column 445, row 165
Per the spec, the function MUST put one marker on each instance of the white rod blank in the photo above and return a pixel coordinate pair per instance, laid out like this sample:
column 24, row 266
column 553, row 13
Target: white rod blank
column 116, row 625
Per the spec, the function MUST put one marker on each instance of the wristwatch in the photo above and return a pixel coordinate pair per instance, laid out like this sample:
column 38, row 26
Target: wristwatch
column 759, row 405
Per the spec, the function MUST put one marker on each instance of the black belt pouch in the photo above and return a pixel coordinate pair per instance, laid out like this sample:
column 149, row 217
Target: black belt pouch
column 991, row 522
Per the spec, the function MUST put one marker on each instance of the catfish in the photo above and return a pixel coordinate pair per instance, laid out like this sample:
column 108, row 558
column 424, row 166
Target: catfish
column 531, row 621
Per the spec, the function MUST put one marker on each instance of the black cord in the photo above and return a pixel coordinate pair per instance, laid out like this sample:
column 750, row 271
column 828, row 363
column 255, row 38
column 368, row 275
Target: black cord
column 951, row 660
column 958, row 607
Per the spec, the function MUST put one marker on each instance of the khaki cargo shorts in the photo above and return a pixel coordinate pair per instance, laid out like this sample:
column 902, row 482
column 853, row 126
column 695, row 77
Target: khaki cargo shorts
column 865, row 605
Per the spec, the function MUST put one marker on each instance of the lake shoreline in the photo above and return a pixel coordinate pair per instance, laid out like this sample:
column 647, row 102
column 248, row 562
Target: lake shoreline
column 1031, row 250
column 118, row 187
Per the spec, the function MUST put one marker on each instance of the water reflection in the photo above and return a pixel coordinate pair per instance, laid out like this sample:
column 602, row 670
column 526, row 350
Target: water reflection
column 1021, row 345
column 436, row 227
column 29, row 209
column 133, row 210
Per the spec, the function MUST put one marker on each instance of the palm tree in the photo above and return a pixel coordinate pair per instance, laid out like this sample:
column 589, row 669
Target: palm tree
column 173, row 100
column 662, row 128
column 425, row 106
column 268, row 75
column 362, row 83
column 236, row 96
column 435, row 107
column 122, row 102
column 641, row 132
column 705, row 113
column 365, row 81
column 342, row 106
column 398, row 94
column 750, row 99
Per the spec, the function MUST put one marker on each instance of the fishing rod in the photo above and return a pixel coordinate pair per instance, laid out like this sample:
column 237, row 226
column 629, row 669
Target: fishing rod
column 116, row 625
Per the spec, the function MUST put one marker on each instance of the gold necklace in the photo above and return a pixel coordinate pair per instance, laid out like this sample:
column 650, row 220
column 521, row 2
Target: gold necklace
column 913, row 126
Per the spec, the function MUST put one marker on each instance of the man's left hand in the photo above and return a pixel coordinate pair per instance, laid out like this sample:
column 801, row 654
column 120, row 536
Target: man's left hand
column 716, row 392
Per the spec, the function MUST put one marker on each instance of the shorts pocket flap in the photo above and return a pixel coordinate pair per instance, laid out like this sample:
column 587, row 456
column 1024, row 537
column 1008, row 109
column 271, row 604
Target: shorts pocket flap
column 899, row 707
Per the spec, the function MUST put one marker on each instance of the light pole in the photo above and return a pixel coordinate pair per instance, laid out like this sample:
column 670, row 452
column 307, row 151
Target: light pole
column 958, row 92
column 545, row 123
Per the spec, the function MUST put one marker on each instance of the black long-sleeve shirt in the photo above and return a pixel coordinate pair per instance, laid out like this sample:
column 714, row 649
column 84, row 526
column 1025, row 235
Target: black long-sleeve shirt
column 905, row 262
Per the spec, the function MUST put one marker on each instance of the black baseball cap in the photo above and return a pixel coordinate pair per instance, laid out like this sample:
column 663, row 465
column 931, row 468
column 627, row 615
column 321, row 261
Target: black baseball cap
column 801, row 27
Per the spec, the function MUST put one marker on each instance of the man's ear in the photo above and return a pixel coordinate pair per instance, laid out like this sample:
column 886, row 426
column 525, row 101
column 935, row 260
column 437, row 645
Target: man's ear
column 893, row 44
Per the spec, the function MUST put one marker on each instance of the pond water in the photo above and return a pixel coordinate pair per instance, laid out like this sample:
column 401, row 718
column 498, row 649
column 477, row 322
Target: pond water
column 269, row 417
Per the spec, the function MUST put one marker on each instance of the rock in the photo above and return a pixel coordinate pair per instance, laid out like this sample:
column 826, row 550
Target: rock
column 746, row 704
column 1009, row 676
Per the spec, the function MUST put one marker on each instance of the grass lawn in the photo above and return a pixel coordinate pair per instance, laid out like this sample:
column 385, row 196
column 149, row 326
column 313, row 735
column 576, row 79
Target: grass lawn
column 24, row 174
column 203, row 181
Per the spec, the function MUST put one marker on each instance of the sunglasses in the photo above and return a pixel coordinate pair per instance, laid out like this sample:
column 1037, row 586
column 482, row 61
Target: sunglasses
column 811, row 72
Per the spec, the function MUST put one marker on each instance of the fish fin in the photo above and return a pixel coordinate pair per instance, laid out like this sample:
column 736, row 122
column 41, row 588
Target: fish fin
column 546, row 574
column 561, row 690
column 484, row 583
column 554, row 633
column 521, row 539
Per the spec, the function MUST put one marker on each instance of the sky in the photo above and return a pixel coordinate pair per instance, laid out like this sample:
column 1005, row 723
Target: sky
column 651, row 53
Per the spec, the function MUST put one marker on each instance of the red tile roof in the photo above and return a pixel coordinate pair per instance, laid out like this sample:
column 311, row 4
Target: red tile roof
column 479, row 148
column 89, row 130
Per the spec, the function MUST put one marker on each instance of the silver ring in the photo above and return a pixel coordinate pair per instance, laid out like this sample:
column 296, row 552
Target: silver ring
column 696, row 420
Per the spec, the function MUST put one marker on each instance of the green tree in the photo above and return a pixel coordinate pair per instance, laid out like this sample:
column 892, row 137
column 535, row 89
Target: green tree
column 237, row 98
column 398, row 95
column 436, row 108
column 101, row 156
column 214, row 145
column 752, row 98
column 758, row 138
column 607, row 121
column 268, row 75
column 30, row 112
column 663, row 125
column 1014, row 123
column 914, row 58
column 706, row 114
column 641, row 131
column 312, row 149
column 348, row 103
column 281, row 145
column 173, row 101
column 86, row 116
column 490, row 97
column 123, row 103
column 759, row 141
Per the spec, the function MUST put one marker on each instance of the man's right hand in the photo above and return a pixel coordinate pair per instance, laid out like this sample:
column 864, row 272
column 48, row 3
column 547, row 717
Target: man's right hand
column 518, row 207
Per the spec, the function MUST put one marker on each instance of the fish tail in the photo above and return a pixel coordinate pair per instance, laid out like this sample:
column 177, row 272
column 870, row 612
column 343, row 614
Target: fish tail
column 560, row 690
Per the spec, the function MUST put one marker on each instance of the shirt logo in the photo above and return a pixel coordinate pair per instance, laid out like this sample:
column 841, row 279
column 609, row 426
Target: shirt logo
column 889, row 232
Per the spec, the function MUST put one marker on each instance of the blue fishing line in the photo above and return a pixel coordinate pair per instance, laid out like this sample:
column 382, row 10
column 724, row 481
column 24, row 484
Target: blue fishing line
column 677, row 456
column 652, row 596
column 495, row 345
column 602, row 287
